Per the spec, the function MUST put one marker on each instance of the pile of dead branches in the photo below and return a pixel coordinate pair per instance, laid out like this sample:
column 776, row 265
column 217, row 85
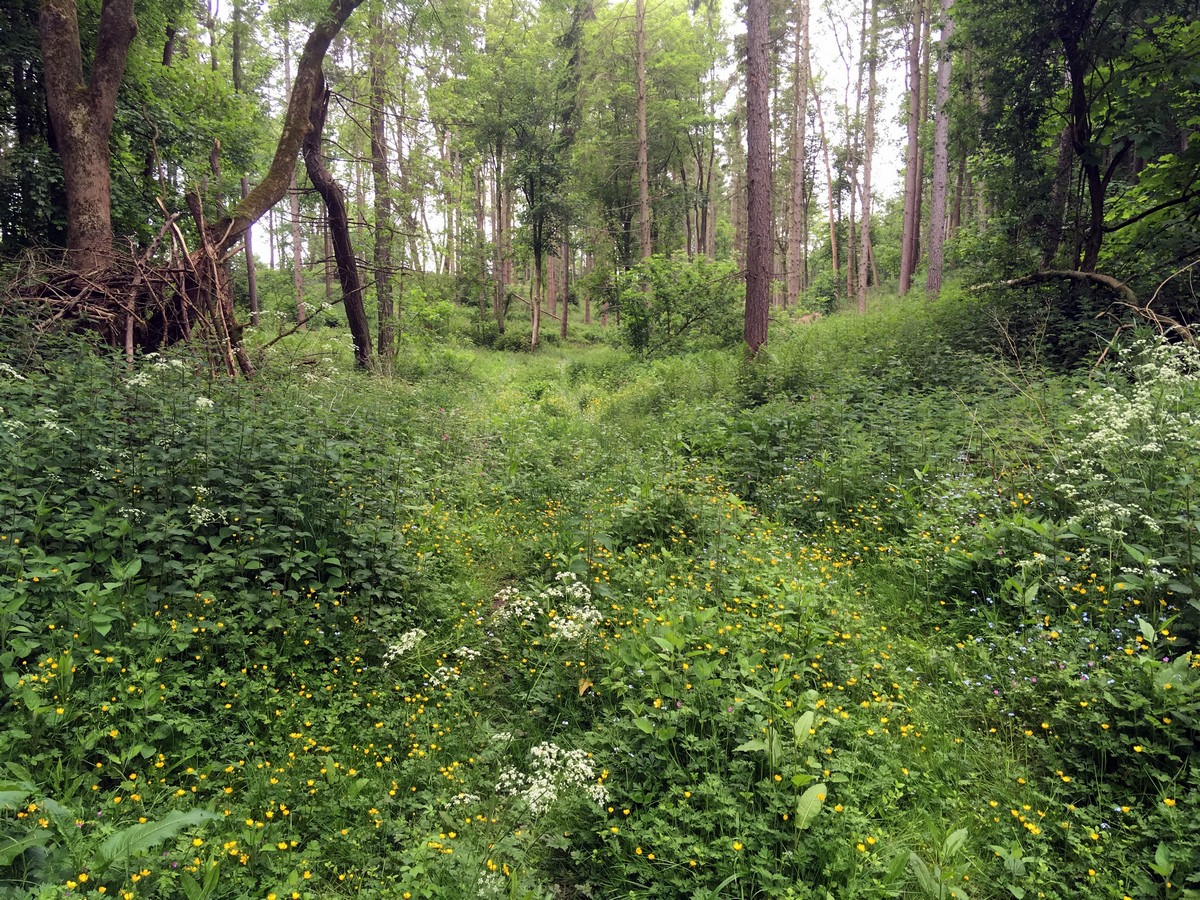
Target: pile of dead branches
column 143, row 301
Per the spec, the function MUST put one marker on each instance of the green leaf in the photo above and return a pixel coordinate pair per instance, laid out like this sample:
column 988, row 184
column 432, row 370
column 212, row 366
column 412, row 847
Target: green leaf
column 1162, row 861
column 802, row 725
column 11, row 847
column 751, row 746
column 809, row 804
column 13, row 794
column 924, row 877
column 954, row 843
column 644, row 724
column 145, row 836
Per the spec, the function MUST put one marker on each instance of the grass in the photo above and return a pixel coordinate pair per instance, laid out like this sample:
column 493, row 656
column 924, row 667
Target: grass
column 847, row 624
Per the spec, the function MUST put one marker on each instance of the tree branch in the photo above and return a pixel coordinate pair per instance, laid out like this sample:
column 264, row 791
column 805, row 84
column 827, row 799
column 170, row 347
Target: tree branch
column 295, row 124
column 1045, row 275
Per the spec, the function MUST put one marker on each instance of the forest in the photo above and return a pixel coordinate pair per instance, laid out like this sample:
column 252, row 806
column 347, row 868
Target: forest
column 579, row 449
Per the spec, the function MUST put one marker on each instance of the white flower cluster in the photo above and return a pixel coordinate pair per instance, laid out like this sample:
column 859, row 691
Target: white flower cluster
column 510, row 605
column 577, row 623
column 462, row 798
column 555, row 772
column 204, row 403
column 448, row 672
column 404, row 645
column 567, row 586
column 9, row 372
column 567, row 605
column 156, row 363
column 491, row 884
column 11, row 426
column 50, row 421
column 199, row 513
column 161, row 364
column 580, row 618
column 1129, row 438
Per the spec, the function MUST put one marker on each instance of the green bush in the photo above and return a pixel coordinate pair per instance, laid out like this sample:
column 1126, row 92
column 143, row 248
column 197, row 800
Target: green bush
column 670, row 305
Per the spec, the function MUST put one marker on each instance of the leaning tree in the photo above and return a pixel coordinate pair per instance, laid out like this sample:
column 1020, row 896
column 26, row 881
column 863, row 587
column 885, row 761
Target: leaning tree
column 141, row 302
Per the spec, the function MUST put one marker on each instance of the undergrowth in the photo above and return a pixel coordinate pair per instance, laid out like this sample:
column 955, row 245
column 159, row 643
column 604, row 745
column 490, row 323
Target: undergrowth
column 874, row 618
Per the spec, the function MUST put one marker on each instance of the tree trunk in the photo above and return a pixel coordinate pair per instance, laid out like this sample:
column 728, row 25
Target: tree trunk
column 274, row 185
column 959, row 191
column 833, row 246
column 565, row 253
column 81, row 116
column 536, row 311
column 479, row 184
column 587, row 289
column 236, row 66
column 926, row 56
column 552, row 285
column 912, row 184
column 758, row 177
column 251, row 273
column 941, row 160
column 643, row 164
column 338, row 229
column 1058, row 198
column 382, row 255
column 210, row 23
column 294, row 200
column 500, row 233
column 864, row 251
column 799, row 162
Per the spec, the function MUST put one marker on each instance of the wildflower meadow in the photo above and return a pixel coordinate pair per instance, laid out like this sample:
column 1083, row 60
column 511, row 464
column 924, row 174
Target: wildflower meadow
column 869, row 619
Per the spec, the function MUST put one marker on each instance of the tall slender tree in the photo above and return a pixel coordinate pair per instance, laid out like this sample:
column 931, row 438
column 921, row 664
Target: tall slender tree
column 912, row 182
column 871, row 51
column 382, row 190
column 758, row 176
column 941, row 158
column 643, row 163
column 799, row 197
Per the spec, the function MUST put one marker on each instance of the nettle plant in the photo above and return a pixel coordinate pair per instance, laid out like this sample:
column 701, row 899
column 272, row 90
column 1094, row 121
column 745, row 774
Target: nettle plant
column 1127, row 475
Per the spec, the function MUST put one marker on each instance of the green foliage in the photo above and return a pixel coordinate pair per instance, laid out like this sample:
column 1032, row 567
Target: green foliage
column 860, row 622
column 671, row 305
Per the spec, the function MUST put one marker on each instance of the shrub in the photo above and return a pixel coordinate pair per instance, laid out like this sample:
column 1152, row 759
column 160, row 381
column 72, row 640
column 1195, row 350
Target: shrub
column 670, row 305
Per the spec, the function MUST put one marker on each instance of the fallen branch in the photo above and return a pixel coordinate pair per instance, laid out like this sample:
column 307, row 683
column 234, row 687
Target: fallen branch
column 1119, row 287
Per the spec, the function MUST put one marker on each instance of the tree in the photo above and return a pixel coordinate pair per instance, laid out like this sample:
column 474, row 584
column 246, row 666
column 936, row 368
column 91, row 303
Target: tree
column 799, row 200
column 912, row 168
column 81, row 111
column 1111, row 77
column 339, row 229
column 643, row 163
column 871, row 50
column 941, row 159
column 382, row 193
column 758, row 176
column 541, row 127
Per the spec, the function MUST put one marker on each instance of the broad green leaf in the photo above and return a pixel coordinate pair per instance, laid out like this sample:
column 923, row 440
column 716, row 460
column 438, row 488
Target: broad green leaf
column 145, row 836
column 810, row 803
column 924, row 877
column 802, row 726
column 11, row 847
column 954, row 843
column 751, row 746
